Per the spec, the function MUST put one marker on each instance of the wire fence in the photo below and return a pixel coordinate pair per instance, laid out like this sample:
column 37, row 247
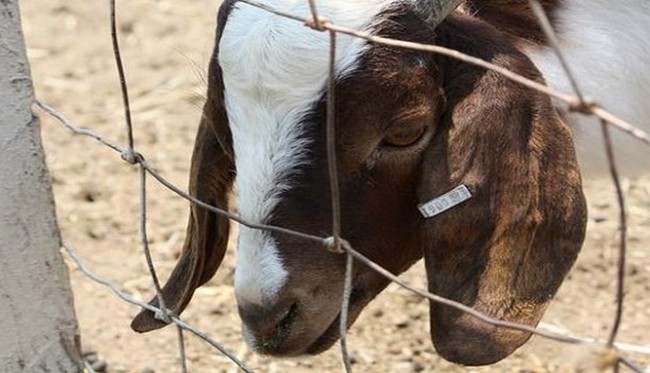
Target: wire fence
column 336, row 243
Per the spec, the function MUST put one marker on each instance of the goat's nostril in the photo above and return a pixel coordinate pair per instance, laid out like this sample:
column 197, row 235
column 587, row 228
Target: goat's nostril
column 315, row 291
column 288, row 317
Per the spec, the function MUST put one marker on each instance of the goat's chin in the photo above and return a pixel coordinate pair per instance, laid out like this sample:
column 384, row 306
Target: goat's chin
column 328, row 338
column 333, row 332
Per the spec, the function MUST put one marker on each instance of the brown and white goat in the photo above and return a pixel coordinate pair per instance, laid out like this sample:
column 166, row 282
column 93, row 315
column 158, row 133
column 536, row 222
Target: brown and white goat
column 410, row 127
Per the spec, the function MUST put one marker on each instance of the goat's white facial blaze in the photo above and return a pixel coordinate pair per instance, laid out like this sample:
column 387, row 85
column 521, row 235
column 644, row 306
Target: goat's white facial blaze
column 274, row 71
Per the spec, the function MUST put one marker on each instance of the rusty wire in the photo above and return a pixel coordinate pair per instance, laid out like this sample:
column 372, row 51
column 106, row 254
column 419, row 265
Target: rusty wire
column 335, row 194
column 324, row 241
column 327, row 241
column 164, row 316
column 164, row 312
column 554, row 43
column 128, row 153
column 622, row 219
column 574, row 104
column 336, row 243
column 128, row 298
column 129, row 156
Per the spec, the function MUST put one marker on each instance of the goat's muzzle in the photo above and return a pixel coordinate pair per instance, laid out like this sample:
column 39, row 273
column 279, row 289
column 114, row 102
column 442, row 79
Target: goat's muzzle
column 267, row 329
column 301, row 321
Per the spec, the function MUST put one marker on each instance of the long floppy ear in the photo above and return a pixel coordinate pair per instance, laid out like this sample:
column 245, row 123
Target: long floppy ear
column 506, row 250
column 211, row 178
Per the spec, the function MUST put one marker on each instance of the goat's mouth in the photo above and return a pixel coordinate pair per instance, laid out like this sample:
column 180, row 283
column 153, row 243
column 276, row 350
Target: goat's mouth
column 291, row 336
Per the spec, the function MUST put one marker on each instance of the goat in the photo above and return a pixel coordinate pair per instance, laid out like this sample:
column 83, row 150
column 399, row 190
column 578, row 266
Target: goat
column 410, row 127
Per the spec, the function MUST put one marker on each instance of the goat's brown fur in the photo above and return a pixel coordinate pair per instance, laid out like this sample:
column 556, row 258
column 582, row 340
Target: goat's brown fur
column 514, row 17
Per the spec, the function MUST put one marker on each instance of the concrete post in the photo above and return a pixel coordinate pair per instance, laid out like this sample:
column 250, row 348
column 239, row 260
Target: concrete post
column 38, row 328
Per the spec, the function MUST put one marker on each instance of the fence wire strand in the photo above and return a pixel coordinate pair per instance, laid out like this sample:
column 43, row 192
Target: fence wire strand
column 85, row 269
column 553, row 41
column 334, row 192
column 181, row 349
column 611, row 161
column 336, row 243
column 574, row 104
column 622, row 221
column 163, row 315
column 345, row 246
column 128, row 154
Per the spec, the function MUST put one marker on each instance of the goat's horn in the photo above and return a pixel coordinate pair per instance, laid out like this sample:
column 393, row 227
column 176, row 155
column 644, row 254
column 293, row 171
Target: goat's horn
column 435, row 11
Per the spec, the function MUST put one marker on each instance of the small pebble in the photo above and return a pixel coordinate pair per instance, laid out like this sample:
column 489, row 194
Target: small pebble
column 97, row 364
column 403, row 323
column 418, row 367
column 403, row 367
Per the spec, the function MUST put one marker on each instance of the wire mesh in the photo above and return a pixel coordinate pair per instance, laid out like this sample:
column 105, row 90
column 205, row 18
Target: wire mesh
column 336, row 243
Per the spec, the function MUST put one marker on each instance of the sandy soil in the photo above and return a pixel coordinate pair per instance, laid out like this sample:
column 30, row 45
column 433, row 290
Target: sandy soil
column 166, row 46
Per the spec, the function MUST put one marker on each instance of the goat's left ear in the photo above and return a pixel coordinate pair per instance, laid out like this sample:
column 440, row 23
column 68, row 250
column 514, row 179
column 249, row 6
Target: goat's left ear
column 206, row 240
column 211, row 179
column 506, row 250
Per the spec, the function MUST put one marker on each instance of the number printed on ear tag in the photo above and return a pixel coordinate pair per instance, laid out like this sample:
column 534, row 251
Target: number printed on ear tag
column 446, row 201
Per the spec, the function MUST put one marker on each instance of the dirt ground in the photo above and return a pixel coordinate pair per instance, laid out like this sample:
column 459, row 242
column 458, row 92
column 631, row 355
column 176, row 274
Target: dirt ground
column 166, row 46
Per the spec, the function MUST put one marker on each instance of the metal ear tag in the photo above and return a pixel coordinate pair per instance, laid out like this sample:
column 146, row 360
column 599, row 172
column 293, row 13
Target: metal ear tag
column 445, row 202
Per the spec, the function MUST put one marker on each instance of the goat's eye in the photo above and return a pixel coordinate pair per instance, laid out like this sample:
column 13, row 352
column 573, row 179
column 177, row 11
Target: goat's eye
column 403, row 136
